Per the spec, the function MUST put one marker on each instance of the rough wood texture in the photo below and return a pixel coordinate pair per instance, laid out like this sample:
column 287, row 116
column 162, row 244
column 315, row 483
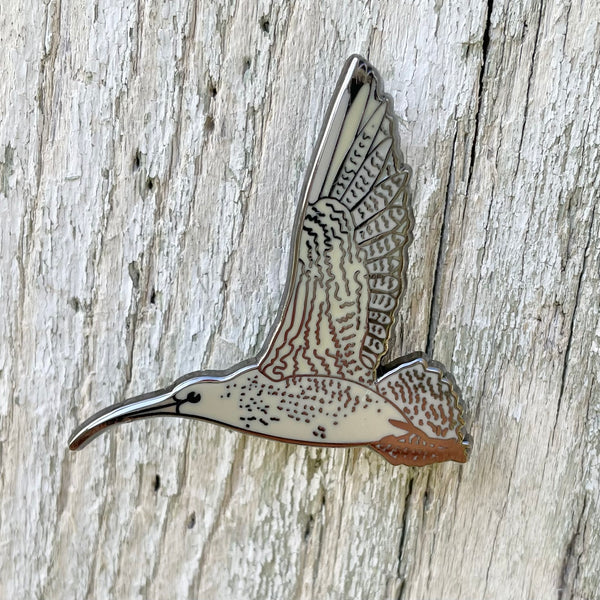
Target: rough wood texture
column 151, row 156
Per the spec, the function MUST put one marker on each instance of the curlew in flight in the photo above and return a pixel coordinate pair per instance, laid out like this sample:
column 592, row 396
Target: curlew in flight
column 318, row 381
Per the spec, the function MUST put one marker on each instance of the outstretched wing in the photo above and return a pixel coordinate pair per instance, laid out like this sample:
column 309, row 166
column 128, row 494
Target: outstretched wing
column 352, row 230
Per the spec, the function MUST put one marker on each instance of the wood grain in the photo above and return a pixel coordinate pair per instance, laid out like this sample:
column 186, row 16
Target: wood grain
column 151, row 157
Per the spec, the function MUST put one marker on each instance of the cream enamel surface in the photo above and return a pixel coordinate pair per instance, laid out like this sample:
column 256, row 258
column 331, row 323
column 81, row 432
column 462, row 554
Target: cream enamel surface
column 222, row 402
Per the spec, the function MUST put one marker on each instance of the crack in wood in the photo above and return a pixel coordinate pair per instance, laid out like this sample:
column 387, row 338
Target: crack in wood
column 572, row 556
column 485, row 45
column 529, row 81
column 567, row 355
column 403, row 536
column 501, row 516
column 434, row 308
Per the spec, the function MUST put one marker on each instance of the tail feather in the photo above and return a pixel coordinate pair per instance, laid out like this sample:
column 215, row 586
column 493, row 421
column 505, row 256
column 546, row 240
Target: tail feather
column 425, row 395
column 416, row 451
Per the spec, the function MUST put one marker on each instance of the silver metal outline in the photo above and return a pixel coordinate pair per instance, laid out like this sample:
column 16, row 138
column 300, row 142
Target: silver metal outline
column 311, row 190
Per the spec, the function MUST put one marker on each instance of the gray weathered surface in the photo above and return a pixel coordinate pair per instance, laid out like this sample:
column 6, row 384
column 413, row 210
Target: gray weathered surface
column 151, row 156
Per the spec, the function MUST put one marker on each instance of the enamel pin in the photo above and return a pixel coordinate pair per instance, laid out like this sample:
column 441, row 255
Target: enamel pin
column 318, row 380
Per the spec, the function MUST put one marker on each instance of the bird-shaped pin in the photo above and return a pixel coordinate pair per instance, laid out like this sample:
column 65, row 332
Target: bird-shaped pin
column 318, row 381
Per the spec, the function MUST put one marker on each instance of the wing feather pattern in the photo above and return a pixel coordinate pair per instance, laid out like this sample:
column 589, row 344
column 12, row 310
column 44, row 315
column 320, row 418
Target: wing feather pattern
column 353, row 230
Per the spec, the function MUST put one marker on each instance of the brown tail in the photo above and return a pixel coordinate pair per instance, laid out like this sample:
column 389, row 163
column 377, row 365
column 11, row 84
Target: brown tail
column 433, row 425
column 416, row 450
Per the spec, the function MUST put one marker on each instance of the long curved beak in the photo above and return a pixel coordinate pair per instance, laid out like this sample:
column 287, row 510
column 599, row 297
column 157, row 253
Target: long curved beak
column 146, row 405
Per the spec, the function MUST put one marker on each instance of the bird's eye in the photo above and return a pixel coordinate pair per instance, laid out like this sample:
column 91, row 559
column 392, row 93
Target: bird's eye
column 193, row 397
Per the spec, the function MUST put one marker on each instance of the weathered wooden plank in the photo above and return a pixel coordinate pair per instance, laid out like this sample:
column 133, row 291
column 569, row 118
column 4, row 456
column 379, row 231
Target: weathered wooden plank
column 151, row 158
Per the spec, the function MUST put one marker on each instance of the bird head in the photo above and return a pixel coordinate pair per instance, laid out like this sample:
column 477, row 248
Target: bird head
column 197, row 396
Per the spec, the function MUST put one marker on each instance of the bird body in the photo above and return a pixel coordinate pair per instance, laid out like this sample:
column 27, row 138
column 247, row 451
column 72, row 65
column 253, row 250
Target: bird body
column 299, row 408
column 317, row 410
column 318, row 379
